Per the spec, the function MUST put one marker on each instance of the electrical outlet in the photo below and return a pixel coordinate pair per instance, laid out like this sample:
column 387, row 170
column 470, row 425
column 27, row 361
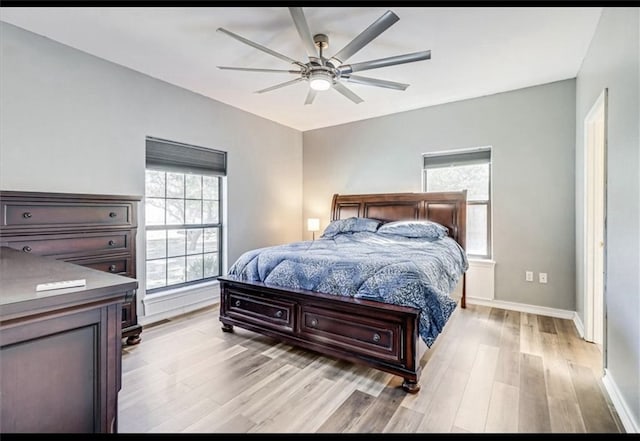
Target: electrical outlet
column 542, row 277
column 528, row 276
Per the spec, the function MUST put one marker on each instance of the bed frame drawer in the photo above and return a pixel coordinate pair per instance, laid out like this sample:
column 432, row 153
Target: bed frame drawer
column 366, row 334
column 273, row 313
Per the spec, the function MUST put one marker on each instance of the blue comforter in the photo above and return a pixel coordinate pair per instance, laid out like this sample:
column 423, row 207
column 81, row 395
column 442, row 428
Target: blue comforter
column 415, row 272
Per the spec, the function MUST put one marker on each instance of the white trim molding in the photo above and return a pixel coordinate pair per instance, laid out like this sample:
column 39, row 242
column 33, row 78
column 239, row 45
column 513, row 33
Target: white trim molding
column 178, row 301
column 523, row 307
column 577, row 321
column 594, row 312
column 625, row 414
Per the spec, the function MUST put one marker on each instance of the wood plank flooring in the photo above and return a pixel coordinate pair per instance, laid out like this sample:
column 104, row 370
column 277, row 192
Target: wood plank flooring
column 491, row 370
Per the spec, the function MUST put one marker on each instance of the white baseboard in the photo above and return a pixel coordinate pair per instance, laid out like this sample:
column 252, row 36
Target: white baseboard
column 626, row 417
column 523, row 307
column 577, row 321
column 179, row 301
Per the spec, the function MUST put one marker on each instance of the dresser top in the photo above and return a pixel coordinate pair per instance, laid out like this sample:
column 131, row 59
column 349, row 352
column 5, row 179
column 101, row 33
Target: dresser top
column 20, row 273
column 48, row 196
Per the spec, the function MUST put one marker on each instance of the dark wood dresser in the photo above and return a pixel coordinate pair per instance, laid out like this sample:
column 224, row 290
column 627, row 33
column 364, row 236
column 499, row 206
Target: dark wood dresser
column 60, row 350
column 96, row 231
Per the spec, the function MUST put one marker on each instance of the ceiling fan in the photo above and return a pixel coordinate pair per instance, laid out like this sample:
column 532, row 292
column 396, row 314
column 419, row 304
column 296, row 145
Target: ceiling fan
column 325, row 73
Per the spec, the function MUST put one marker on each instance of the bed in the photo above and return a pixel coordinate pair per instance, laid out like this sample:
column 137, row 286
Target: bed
column 363, row 330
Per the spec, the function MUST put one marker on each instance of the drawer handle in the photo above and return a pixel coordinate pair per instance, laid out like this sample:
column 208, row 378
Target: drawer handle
column 314, row 323
column 278, row 314
column 26, row 249
column 112, row 268
column 237, row 303
column 113, row 214
column 376, row 337
column 111, row 243
column 26, row 215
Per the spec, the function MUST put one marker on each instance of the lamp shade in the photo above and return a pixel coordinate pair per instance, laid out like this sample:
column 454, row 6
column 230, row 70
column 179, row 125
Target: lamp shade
column 313, row 224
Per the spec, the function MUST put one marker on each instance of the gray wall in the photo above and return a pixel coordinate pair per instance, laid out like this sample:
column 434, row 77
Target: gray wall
column 532, row 132
column 72, row 122
column 612, row 62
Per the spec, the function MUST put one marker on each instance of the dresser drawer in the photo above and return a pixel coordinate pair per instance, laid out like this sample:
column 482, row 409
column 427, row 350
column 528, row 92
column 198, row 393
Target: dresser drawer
column 377, row 337
column 58, row 214
column 274, row 313
column 70, row 245
column 114, row 265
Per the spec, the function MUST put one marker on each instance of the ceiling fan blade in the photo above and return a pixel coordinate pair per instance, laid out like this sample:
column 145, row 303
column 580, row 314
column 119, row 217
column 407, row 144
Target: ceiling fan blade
column 251, row 69
column 347, row 92
column 383, row 62
column 303, row 30
column 310, row 96
column 365, row 37
column 278, row 86
column 376, row 82
column 258, row 46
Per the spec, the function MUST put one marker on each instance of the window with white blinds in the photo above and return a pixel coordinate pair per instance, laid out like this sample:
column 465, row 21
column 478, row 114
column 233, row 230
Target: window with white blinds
column 465, row 170
column 182, row 214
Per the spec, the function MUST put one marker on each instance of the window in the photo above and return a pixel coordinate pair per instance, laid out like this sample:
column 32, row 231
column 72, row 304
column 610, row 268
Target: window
column 182, row 214
column 471, row 171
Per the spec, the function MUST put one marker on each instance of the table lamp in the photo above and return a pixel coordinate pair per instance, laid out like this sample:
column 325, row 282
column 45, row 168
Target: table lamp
column 313, row 225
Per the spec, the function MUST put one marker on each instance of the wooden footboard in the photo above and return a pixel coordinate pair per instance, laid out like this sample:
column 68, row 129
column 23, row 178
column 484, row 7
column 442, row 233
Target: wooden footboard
column 376, row 334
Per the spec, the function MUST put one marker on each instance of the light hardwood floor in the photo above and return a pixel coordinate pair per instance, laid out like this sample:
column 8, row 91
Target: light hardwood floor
column 491, row 370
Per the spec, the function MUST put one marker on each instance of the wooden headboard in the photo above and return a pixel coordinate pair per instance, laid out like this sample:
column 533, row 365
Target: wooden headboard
column 446, row 208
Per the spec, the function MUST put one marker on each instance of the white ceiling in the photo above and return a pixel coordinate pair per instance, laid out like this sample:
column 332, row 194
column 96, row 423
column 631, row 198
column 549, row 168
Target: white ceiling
column 474, row 51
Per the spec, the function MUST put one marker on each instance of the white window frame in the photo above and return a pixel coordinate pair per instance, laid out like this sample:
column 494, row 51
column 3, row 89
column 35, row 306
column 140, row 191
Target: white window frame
column 187, row 159
column 470, row 202
column 186, row 227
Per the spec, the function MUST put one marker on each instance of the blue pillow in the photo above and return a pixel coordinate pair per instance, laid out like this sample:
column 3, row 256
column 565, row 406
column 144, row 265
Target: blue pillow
column 350, row 225
column 415, row 228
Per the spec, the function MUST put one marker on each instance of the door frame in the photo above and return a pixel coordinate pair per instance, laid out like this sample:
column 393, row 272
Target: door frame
column 600, row 103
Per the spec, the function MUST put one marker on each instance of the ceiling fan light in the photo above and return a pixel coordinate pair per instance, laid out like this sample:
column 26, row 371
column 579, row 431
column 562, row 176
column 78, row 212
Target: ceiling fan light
column 320, row 80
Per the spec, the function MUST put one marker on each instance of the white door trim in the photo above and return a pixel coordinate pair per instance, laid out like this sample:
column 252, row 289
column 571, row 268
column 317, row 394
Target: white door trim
column 599, row 106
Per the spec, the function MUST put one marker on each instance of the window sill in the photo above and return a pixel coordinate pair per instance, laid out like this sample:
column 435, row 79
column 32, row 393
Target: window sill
column 480, row 261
